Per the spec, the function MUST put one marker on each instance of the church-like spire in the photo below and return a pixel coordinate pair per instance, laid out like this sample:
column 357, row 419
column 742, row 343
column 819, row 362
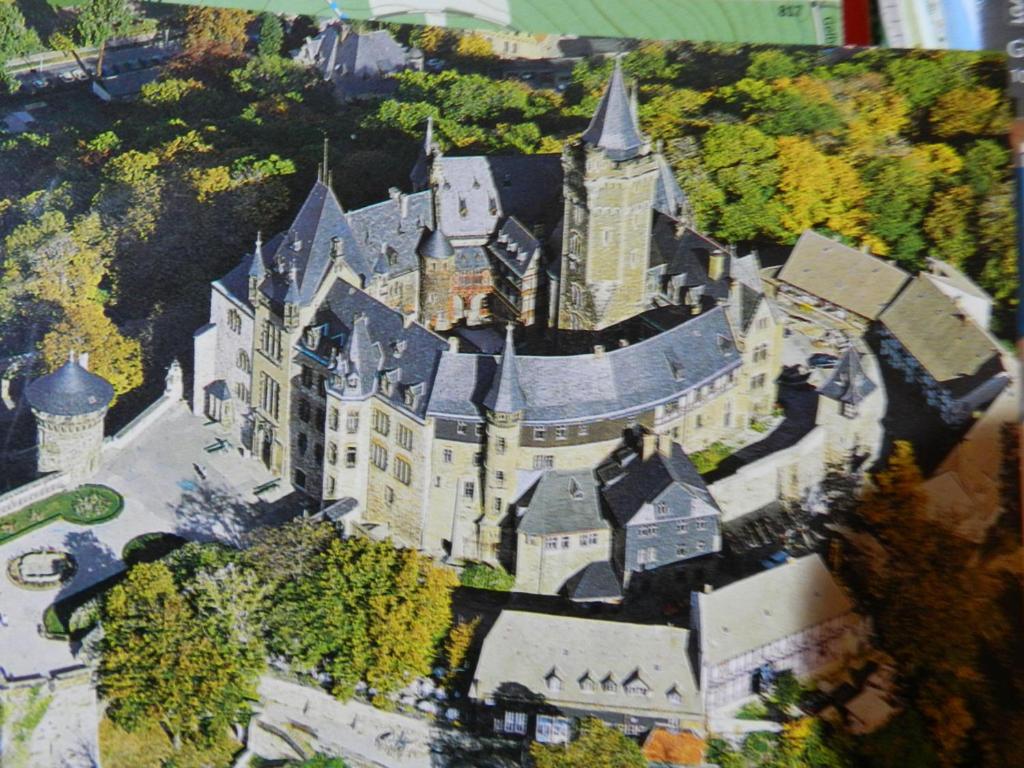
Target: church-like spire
column 428, row 138
column 613, row 127
column 292, row 296
column 257, row 270
column 505, row 394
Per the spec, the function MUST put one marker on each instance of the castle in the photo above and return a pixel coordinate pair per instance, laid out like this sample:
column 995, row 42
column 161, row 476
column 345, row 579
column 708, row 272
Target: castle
column 333, row 351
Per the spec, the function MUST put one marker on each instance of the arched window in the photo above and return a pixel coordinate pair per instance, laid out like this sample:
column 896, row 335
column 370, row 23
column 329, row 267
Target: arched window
column 243, row 361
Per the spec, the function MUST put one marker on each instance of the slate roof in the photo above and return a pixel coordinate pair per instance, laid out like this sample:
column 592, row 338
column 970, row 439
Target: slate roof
column 471, row 258
column 435, row 245
column 844, row 276
column 321, row 51
column 515, row 246
column 523, row 649
column 768, row 606
column 641, row 482
column 562, row 501
column 381, row 226
column 743, row 306
column 128, row 85
column 560, row 389
column 943, row 338
column 71, row 390
column 475, row 193
column 505, row 394
column 370, row 54
column 373, row 341
column 848, row 382
column 613, row 127
column 595, row 581
column 307, row 247
column 669, row 199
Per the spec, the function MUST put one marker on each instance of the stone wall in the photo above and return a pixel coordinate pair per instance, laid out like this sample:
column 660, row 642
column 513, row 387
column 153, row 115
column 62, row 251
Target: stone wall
column 788, row 473
column 30, row 493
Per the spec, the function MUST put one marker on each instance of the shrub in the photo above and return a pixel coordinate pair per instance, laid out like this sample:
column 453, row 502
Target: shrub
column 482, row 576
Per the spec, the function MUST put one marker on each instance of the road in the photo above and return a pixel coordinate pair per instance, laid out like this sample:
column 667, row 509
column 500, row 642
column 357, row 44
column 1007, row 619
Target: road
column 54, row 77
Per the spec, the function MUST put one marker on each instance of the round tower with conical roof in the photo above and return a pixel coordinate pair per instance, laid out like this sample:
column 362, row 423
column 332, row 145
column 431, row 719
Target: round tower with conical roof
column 437, row 279
column 69, row 406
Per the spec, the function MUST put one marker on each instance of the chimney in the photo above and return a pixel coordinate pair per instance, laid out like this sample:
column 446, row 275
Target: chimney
column 716, row 265
column 453, row 343
column 623, row 343
column 394, row 193
column 403, row 205
column 599, row 350
column 83, row 360
column 408, row 319
column 708, row 589
column 665, row 444
column 649, row 445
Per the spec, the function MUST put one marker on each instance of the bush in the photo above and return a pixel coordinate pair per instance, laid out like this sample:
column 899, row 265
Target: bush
column 482, row 576
column 708, row 459
column 150, row 547
column 752, row 710
column 52, row 623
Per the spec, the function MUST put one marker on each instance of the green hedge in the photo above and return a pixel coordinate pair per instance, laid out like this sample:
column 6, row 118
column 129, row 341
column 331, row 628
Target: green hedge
column 483, row 576
column 61, row 505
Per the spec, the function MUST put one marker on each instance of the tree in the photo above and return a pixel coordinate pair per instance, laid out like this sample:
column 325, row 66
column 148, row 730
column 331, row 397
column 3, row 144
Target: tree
column 163, row 661
column 460, row 638
column 431, row 40
column 473, row 45
column 364, row 611
column 99, row 20
column 85, row 327
column 948, row 225
column 771, row 65
column 271, row 35
column 597, row 746
column 975, row 111
column 219, row 31
column 16, row 39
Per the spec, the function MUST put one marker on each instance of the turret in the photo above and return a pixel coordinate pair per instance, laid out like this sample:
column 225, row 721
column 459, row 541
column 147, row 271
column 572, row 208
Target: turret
column 437, row 276
column 69, row 406
column 291, row 301
column 505, row 402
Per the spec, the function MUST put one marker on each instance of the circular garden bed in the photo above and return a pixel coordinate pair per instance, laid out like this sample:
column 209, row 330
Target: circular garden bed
column 45, row 568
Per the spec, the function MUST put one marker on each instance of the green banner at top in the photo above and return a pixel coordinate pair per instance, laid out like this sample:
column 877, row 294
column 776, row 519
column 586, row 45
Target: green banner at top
column 794, row 22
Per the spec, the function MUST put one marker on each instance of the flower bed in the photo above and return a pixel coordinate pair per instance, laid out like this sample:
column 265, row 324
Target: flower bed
column 27, row 569
column 86, row 505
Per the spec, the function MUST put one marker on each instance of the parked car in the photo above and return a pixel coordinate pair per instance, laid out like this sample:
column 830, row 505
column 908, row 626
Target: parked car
column 822, row 360
column 80, row 74
column 775, row 559
column 434, row 64
column 67, row 76
column 40, row 82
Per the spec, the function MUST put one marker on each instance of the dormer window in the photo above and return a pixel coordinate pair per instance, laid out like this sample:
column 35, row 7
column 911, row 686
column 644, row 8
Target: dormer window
column 575, row 490
column 463, row 210
column 587, row 684
column 554, row 682
column 608, row 685
column 661, row 509
column 353, row 380
column 635, row 686
column 492, row 206
column 674, row 696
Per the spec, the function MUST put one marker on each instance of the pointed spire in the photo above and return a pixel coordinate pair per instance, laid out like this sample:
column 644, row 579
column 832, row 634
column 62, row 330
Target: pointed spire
column 435, row 245
column 428, row 138
column 505, row 394
column 613, row 127
column 258, row 269
column 324, row 169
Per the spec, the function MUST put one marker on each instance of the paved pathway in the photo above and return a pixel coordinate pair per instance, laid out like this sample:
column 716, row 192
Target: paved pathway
column 162, row 492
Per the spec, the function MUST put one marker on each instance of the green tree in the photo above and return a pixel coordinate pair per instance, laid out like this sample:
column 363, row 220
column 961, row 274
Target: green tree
column 597, row 746
column 986, row 162
column 99, row 20
column 271, row 35
column 16, row 39
column 772, row 64
column 948, row 225
column 365, row 612
column 456, row 647
column 164, row 661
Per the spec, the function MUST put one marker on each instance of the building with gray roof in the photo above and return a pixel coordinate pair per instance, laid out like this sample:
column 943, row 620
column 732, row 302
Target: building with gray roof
column 631, row 676
column 795, row 617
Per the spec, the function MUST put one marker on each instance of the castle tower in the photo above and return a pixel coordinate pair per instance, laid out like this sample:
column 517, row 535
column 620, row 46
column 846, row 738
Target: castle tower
column 505, row 403
column 69, row 406
column 610, row 184
column 437, row 278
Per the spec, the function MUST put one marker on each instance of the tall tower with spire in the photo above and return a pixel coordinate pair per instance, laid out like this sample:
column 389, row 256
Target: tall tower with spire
column 504, row 404
column 610, row 182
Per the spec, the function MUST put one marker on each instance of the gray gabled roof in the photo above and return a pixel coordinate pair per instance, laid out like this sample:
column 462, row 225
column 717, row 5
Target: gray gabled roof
column 848, row 382
column 475, row 193
column 565, row 388
column 505, row 394
column 307, row 246
column 613, row 127
column 71, row 390
column 641, row 482
column 370, row 54
column 562, row 502
column 375, row 341
column 515, row 246
column 396, row 224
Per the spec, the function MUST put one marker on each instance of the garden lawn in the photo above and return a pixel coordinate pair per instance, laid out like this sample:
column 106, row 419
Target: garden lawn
column 67, row 505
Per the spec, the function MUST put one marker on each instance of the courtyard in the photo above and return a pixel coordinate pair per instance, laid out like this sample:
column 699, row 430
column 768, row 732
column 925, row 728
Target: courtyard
column 180, row 477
